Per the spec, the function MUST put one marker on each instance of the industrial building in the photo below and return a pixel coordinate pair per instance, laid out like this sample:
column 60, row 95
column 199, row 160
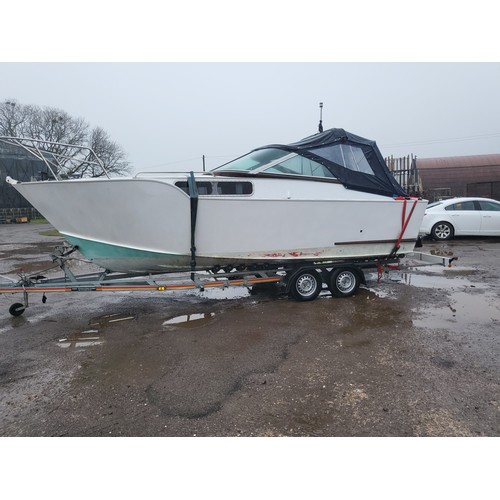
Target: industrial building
column 477, row 175
column 22, row 167
column 448, row 177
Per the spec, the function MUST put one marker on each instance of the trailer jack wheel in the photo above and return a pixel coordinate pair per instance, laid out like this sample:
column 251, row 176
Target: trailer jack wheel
column 17, row 309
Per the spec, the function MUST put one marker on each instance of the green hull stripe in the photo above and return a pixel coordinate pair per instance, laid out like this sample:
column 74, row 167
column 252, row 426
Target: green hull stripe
column 96, row 250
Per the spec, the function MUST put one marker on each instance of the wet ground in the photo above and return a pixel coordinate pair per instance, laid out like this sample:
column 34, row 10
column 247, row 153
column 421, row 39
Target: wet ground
column 416, row 354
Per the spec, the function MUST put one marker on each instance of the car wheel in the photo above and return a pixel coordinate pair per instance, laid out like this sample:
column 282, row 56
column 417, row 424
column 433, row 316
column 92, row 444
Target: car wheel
column 442, row 231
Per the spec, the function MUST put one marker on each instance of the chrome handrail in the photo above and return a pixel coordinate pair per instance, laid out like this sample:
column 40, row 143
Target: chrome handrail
column 52, row 159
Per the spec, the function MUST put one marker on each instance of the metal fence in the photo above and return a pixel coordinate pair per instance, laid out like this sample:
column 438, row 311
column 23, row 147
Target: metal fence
column 405, row 172
column 13, row 215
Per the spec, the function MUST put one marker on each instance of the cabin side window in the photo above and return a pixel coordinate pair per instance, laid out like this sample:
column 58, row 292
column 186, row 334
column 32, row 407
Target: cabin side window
column 219, row 188
column 203, row 188
column 346, row 155
column 234, row 188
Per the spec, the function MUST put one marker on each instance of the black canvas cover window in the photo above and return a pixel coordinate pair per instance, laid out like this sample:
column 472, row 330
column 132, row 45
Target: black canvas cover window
column 353, row 160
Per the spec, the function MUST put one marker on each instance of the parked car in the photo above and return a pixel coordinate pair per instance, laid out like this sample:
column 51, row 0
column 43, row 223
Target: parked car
column 461, row 217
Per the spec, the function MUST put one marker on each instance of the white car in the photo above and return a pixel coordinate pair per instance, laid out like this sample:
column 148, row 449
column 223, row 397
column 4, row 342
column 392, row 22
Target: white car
column 461, row 217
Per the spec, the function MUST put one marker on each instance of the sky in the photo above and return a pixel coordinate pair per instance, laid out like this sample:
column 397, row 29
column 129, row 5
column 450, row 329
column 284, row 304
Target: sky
column 173, row 83
column 167, row 115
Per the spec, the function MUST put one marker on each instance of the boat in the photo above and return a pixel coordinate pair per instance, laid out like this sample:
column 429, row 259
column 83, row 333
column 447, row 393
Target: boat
column 328, row 197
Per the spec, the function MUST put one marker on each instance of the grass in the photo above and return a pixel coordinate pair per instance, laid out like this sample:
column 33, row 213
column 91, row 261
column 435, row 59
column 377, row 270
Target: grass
column 50, row 232
column 47, row 232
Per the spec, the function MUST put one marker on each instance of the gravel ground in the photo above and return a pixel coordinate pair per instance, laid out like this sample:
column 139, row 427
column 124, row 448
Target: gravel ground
column 414, row 354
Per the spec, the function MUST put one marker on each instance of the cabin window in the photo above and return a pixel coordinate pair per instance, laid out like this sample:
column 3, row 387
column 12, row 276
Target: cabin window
column 298, row 165
column 234, row 188
column 219, row 188
column 346, row 155
column 204, row 188
column 254, row 160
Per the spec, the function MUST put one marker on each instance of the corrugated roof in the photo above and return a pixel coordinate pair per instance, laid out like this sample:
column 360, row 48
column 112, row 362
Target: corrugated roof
column 459, row 161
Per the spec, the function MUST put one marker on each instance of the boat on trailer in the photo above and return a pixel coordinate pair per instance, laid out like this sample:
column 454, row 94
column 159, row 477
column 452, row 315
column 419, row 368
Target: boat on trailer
column 327, row 198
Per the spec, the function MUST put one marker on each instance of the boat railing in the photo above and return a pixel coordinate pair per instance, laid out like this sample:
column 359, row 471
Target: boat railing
column 61, row 159
column 164, row 174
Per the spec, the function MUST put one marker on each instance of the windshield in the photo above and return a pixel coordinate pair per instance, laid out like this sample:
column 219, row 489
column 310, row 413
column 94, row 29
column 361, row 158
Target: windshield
column 253, row 160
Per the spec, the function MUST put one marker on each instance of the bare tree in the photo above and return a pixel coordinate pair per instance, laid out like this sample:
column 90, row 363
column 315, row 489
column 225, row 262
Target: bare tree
column 110, row 153
column 12, row 117
column 58, row 133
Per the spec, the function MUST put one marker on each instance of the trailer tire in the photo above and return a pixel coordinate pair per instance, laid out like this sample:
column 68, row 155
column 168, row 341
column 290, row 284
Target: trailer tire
column 305, row 285
column 17, row 309
column 344, row 282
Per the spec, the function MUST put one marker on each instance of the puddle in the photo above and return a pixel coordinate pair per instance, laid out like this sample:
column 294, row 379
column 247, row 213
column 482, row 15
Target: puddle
column 380, row 292
column 189, row 320
column 15, row 322
column 434, row 281
column 463, row 308
column 110, row 318
column 92, row 336
column 426, row 281
column 441, row 252
column 419, row 280
column 84, row 339
column 5, row 281
column 231, row 292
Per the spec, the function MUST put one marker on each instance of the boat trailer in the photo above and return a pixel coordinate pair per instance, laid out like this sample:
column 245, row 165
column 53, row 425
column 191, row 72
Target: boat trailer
column 303, row 282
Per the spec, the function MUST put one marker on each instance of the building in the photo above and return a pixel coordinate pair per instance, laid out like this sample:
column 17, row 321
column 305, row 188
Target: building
column 21, row 167
column 439, row 178
column 477, row 175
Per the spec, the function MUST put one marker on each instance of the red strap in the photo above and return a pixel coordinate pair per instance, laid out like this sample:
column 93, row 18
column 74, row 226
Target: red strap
column 404, row 222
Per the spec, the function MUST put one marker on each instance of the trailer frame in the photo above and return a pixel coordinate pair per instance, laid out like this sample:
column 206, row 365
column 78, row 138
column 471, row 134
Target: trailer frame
column 302, row 281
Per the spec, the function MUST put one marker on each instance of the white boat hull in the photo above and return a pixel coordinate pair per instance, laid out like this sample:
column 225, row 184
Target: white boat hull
column 143, row 225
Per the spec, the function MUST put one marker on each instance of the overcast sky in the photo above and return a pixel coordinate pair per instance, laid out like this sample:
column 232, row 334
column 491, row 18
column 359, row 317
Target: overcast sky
column 218, row 81
column 167, row 115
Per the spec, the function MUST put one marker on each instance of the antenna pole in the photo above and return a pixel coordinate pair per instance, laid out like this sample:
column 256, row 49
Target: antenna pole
column 320, row 126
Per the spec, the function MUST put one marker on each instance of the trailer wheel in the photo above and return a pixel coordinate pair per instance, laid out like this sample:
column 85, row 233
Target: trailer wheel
column 344, row 282
column 17, row 309
column 305, row 285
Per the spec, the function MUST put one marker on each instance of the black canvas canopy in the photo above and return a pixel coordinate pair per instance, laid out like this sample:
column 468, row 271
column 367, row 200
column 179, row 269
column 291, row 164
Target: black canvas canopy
column 355, row 161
